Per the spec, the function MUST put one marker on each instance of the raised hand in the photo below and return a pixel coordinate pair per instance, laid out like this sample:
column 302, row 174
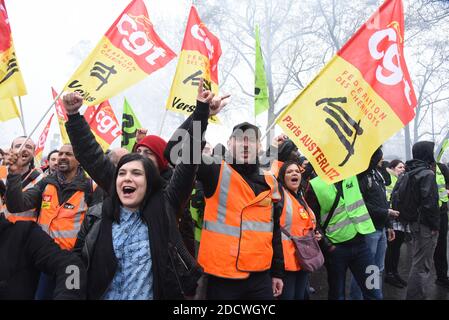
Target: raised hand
column 279, row 140
column 217, row 104
column 72, row 102
column 140, row 134
column 14, row 162
column 204, row 96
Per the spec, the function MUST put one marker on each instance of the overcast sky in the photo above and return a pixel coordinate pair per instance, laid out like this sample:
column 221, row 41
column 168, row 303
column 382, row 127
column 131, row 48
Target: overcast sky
column 46, row 34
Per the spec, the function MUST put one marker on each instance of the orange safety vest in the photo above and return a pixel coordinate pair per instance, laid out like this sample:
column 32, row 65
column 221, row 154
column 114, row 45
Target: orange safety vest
column 275, row 167
column 298, row 221
column 62, row 222
column 29, row 215
column 238, row 227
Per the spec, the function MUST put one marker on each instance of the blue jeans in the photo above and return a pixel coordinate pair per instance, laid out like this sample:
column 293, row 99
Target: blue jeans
column 296, row 285
column 356, row 256
column 377, row 244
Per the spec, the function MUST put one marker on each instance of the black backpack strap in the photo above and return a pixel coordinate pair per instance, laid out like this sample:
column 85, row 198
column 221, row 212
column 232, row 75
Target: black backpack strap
column 332, row 210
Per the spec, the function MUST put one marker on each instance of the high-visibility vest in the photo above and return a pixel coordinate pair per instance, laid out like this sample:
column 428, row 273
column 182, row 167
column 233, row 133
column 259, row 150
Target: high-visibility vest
column 298, row 221
column 62, row 222
column 238, row 227
column 197, row 217
column 29, row 215
column 441, row 182
column 350, row 216
column 390, row 187
column 275, row 167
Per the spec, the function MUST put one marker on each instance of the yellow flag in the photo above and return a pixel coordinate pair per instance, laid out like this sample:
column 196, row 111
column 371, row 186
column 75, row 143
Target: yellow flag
column 11, row 81
column 198, row 59
column 361, row 98
column 8, row 109
column 128, row 52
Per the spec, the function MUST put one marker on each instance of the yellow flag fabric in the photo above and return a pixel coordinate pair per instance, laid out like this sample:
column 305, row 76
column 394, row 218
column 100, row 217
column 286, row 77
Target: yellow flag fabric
column 8, row 109
column 198, row 59
column 11, row 81
column 361, row 98
column 126, row 54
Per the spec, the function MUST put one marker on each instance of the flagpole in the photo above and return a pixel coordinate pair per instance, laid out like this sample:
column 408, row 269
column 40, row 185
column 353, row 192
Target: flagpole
column 162, row 123
column 268, row 130
column 40, row 121
column 440, row 147
column 22, row 117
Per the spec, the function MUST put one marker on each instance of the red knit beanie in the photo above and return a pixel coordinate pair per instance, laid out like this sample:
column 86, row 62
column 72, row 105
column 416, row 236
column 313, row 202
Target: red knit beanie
column 157, row 146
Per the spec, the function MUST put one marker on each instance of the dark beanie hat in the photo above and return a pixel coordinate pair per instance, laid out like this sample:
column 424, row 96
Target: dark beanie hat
column 157, row 146
column 423, row 150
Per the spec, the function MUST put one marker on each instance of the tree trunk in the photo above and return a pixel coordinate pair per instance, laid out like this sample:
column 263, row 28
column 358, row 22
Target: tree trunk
column 408, row 143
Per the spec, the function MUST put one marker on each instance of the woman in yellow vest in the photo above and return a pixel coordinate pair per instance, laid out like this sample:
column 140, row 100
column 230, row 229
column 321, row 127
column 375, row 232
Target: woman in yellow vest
column 297, row 219
column 395, row 169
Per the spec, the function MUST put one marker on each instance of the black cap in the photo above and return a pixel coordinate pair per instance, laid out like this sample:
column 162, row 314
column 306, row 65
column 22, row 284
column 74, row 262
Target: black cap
column 245, row 126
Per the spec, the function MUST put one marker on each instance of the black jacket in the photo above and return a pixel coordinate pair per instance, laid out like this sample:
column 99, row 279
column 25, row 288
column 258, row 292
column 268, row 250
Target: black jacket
column 425, row 193
column 26, row 251
column 19, row 201
column 372, row 187
column 94, row 241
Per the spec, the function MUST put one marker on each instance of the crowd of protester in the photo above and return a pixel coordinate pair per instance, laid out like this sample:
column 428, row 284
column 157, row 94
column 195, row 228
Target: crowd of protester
column 175, row 220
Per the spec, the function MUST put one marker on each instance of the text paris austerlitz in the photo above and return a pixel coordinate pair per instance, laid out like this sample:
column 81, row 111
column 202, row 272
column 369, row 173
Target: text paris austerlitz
column 316, row 151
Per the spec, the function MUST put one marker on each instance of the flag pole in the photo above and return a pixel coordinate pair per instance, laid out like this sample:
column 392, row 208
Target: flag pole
column 22, row 117
column 162, row 123
column 40, row 121
column 268, row 130
column 440, row 147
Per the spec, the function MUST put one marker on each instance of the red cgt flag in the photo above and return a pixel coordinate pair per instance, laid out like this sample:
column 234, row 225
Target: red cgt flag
column 128, row 52
column 41, row 141
column 103, row 124
column 199, row 57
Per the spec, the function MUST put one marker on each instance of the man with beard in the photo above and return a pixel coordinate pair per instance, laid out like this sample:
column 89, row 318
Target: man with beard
column 29, row 176
column 52, row 159
column 63, row 199
column 240, row 248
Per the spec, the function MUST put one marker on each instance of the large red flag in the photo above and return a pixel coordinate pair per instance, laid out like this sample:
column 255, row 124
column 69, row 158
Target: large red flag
column 362, row 97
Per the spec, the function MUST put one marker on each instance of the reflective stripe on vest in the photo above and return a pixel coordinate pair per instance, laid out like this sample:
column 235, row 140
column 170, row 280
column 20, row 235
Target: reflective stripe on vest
column 62, row 222
column 238, row 227
column 275, row 167
column 352, row 216
column 29, row 215
column 220, row 226
column 197, row 218
column 441, row 183
column 298, row 221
